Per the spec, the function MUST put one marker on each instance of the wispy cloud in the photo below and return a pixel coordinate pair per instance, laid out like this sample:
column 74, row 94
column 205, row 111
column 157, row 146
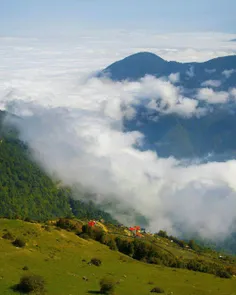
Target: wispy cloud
column 190, row 72
column 228, row 73
column 211, row 83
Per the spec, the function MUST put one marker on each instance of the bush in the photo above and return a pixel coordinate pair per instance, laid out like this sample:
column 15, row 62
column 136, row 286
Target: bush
column 223, row 274
column 125, row 246
column 96, row 261
column 157, row 290
column 19, row 243
column 162, row 234
column 8, row 236
column 27, row 219
column 66, row 224
column 31, row 284
column 86, row 229
column 25, row 268
column 112, row 245
column 107, row 286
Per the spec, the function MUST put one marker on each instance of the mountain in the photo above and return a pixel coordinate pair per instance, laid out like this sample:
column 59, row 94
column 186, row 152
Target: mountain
column 27, row 192
column 192, row 74
column 210, row 137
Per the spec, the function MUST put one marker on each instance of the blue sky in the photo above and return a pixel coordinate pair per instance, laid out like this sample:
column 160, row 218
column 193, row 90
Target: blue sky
column 58, row 17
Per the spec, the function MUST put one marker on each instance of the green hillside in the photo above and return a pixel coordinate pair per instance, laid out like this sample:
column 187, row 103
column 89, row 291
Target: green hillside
column 62, row 259
column 26, row 192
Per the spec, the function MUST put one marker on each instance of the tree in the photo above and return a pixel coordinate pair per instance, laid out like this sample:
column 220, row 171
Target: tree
column 107, row 286
column 162, row 234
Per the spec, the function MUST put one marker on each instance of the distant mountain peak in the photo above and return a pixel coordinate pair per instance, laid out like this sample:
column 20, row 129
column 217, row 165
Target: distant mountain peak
column 144, row 55
column 140, row 64
column 135, row 66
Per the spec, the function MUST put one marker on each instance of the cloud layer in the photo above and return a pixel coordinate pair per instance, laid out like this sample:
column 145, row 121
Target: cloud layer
column 74, row 125
column 90, row 149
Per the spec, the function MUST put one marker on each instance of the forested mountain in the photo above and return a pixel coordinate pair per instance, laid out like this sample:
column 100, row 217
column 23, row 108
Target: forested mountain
column 210, row 136
column 27, row 192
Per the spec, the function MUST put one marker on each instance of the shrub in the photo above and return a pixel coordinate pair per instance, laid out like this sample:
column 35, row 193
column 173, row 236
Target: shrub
column 96, row 261
column 8, row 236
column 86, row 229
column 66, row 224
column 27, row 219
column 155, row 260
column 19, row 243
column 222, row 273
column 112, row 245
column 125, row 246
column 98, row 235
column 31, row 284
column 25, row 268
column 162, row 234
column 107, row 286
column 157, row 290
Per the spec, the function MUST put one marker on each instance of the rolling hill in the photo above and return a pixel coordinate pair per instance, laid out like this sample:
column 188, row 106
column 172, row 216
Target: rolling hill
column 63, row 259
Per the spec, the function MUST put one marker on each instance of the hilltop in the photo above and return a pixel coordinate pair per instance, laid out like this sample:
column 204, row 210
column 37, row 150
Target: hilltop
column 63, row 259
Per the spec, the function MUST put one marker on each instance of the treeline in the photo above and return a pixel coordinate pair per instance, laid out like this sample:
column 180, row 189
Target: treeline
column 146, row 251
column 181, row 243
column 26, row 192
column 227, row 245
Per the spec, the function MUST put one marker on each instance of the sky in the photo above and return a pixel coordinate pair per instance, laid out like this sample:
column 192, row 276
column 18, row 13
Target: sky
column 60, row 17
column 73, row 122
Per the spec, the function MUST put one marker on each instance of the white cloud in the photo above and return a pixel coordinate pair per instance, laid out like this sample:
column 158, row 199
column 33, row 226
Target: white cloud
column 166, row 98
column 228, row 73
column 212, row 97
column 233, row 93
column 211, row 83
column 190, row 72
column 103, row 94
column 174, row 78
column 74, row 125
column 86, row 147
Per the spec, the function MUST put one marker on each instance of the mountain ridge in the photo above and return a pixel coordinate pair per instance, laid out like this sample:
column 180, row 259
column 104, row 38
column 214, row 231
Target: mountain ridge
column 175, row 135
column 192, row 74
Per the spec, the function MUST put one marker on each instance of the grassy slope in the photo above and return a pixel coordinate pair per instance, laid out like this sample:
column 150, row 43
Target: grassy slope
column 58, row 255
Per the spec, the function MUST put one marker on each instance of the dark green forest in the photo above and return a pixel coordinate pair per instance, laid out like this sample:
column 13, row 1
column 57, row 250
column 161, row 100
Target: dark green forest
column 26, row 192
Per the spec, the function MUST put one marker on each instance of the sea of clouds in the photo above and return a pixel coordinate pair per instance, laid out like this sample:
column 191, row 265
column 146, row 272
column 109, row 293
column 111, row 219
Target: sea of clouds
column 73, row 123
